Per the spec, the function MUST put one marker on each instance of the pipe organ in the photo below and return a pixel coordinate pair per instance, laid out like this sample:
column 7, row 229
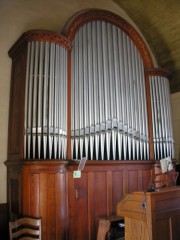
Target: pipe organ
column 90, row 91
column 108, row 90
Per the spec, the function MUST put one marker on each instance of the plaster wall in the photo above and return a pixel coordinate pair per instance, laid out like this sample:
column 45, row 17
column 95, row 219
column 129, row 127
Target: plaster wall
column 175, row 105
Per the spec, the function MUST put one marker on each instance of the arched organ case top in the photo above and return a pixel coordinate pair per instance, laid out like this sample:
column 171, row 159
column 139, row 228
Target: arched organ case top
column 88, row 92
column 109, row 106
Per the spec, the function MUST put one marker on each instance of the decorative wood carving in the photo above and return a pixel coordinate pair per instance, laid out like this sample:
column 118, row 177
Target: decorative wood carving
column 40, row 35
column 95, row 14
column 158, row 72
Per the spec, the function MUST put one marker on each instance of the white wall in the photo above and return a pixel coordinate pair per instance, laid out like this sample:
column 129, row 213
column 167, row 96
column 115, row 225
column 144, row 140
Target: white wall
column 175, row 104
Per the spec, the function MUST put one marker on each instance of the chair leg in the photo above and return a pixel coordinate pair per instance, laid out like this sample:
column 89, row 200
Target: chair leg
column 103, row 228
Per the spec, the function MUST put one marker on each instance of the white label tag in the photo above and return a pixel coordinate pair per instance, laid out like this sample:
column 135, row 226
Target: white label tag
column 77, row 174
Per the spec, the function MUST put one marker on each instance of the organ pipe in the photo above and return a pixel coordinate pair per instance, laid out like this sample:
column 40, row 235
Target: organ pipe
column 116, row 126
column 46, row 101
column 162, row 122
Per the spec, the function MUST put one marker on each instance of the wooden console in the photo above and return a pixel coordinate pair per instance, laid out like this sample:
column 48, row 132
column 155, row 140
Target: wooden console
column 151, row 215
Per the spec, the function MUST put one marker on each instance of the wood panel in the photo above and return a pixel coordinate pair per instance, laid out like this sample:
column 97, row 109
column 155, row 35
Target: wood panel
column 17, row 101
column 174, row 227
column 151, row 215
column 70, row 208
column 44, row 195
column 14, row 189
column 97, row 192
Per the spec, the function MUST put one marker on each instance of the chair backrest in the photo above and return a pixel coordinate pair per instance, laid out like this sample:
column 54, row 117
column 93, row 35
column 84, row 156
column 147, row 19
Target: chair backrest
column 168, row 179
column 25, row 228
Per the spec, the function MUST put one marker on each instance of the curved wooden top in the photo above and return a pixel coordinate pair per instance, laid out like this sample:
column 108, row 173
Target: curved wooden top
column 89, row 15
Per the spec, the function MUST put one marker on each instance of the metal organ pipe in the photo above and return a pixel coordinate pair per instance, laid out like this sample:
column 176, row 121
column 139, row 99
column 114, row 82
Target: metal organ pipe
column 108, row 88
column 46, row 101
column 162, row 123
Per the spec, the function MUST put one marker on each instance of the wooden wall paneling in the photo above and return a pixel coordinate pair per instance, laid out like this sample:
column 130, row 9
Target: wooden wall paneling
column 109, row 193
column 100, row 188
column 14, row 197
column 133, row 181
column 117, row 189
column 61, row 206
column 26, row 190
column 50, row 208
column 140, row 180
column 100, row 197
column 163, row 229
column 174, row 227
column 44, row 205
column 34, row 194
column 81, row 208
column 71, row 205
column 125, row 181
column 91, row 193
column 146, row 175
column 44, row 195
column 94, row 195
column 14, row 191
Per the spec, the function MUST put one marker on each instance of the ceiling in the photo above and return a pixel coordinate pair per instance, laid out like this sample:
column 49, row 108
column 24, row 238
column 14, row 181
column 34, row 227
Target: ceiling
column 159, row 21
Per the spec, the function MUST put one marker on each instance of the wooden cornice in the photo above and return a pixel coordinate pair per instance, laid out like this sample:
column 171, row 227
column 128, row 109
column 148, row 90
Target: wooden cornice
column 89, row 15
column 158, row 72
column 40, row 35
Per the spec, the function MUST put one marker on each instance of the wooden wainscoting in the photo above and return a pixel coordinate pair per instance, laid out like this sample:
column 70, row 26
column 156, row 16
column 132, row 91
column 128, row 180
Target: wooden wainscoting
column 70, row 208
column 96, row 194
column 14, row 189
column 44, row 195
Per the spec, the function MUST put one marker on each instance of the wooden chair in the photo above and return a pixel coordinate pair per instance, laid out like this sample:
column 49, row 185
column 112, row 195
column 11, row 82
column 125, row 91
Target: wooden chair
column 25, row 228
column 105, row 225
column 161, row 180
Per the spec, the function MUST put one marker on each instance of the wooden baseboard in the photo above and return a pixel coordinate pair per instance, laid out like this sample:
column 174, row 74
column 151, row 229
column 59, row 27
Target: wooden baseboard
column 4, row 220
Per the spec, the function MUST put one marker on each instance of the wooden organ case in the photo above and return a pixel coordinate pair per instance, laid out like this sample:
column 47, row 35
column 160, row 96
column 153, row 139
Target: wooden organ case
column 91, row 91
